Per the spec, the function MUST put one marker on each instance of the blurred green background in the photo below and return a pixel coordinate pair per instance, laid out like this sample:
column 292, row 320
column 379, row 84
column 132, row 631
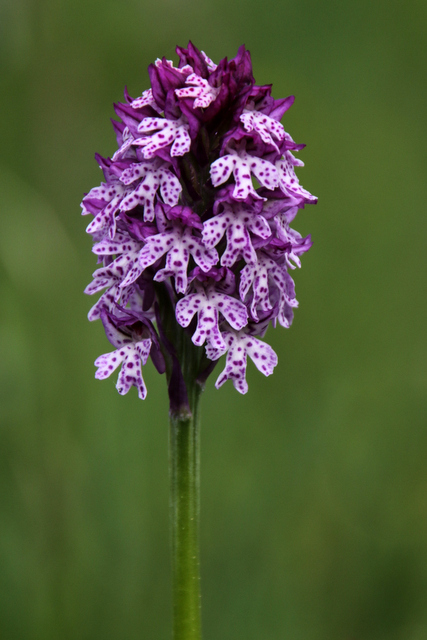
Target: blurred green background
column 314, row 484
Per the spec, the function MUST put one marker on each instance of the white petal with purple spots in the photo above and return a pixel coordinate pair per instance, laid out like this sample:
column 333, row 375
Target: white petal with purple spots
column 120, row 244
column 268, row 280
column 208, row 305
column 116, row 272
column 146, row 100
column 153, row 175
column 179, row 255
column 200, row 89
column 106, row 219
column 179, row 243
column 167, row 132
column 242, row 165
column 130, row 356
column 288, row 181
column 236, row 222
column 210, row 65
column 265, row 126
column 239, row 346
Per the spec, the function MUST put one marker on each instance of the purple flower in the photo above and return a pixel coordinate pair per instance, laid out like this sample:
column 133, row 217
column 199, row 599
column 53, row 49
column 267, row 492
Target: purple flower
column 192, row 224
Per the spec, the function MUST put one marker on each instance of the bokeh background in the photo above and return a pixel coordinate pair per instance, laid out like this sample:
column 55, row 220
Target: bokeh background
column 314, row 484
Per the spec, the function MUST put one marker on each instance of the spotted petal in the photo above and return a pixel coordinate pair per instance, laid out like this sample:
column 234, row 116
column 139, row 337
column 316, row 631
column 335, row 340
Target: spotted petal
column 208, row 305
column 107, row 198
column 242, row 165
column 210, row 65
column 153, row 175
column 266, row 127
column 146, row 100
column 130, row 357
column 116, row 272
column 121, row 243
column 178, row 258
column 241, row 345
column 200, row 89
column 168, row 132
column 288, row 180
column 237, row 222
column 269, row 280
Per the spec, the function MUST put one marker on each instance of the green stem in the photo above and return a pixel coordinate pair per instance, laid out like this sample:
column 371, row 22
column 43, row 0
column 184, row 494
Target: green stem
column 184, row 463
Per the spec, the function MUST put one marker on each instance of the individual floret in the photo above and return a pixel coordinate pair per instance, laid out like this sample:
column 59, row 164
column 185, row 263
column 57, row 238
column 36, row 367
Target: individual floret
column 240, row 345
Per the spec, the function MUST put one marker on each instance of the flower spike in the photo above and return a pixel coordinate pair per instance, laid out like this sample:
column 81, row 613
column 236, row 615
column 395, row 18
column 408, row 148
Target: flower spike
column 191, row 225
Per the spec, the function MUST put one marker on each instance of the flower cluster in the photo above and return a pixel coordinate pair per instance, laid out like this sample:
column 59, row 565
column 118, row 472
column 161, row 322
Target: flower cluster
column 193, row 220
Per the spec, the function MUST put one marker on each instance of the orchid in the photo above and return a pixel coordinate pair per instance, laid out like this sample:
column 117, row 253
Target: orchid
column 191, row 228
column 161, row 210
